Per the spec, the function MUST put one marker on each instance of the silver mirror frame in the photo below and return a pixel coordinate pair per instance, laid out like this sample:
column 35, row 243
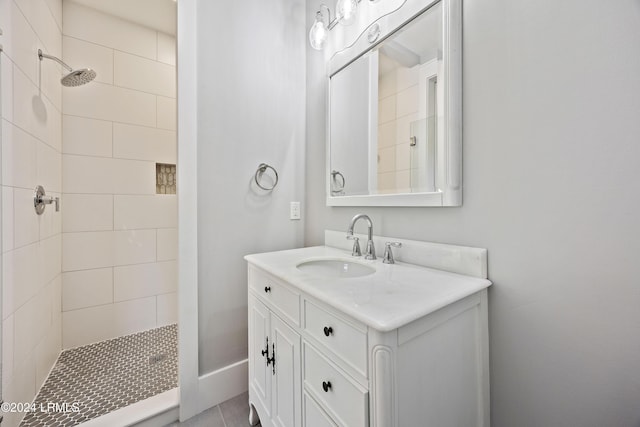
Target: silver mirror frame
column 449, row 161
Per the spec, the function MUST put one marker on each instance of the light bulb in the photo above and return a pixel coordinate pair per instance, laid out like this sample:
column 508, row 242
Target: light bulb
column 346, row 11
column 318, row 33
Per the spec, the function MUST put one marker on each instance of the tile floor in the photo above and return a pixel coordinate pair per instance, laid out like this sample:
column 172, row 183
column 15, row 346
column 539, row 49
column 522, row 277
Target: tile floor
column 232, row 413
column 108, row 375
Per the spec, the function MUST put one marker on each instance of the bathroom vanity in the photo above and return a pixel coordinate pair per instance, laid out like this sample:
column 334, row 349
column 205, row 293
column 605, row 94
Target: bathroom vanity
column 335, row 340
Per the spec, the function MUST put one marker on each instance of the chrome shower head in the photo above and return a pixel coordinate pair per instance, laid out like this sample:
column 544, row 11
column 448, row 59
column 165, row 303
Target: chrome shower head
column 78, row 77
column 75, row 77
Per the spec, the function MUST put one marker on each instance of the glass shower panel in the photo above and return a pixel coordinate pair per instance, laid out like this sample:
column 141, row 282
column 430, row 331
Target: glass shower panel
column 423, row 154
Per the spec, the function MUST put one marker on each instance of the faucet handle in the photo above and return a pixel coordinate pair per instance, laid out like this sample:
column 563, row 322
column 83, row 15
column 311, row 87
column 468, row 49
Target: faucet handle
column 388, row 254
column 356, row 245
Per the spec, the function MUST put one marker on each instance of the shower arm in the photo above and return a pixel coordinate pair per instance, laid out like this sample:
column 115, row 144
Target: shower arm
column 59, row 61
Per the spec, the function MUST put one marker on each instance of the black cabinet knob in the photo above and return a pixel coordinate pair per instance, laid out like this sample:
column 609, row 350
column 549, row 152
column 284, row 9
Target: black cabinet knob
column 326, row 386
column 267, row 289
column 328, row 330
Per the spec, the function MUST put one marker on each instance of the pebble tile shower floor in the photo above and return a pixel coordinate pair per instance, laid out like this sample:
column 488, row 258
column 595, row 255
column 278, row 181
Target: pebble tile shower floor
column 108, row 375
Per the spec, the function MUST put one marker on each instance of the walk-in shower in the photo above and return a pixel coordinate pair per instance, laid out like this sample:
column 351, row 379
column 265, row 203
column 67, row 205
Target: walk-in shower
column 74, row 77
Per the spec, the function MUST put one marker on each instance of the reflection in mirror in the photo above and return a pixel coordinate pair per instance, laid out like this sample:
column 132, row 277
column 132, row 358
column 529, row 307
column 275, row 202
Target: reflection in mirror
column 392, row 132
column 409, row 64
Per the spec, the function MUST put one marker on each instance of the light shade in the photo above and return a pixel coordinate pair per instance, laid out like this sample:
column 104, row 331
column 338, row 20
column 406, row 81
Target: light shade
column 346, row 11
column 318, row 33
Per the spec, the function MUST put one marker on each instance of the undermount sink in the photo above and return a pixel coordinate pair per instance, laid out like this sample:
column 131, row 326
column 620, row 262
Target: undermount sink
column 335, row 268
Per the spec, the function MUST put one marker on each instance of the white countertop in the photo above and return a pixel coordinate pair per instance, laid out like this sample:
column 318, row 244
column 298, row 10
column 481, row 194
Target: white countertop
column 393, row 296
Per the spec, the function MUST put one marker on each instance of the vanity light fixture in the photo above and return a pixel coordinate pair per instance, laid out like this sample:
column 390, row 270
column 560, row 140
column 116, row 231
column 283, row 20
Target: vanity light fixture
column 346, row 12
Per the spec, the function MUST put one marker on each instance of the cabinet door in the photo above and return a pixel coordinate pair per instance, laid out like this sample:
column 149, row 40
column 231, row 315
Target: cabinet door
column 259, row 373
column 314, row 416
column 286, row 387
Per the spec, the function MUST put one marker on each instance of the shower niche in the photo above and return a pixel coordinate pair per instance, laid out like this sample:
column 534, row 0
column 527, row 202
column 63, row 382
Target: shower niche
column 165, row 178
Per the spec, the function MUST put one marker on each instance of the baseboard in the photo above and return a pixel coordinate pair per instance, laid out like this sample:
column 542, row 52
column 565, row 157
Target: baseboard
column 221, row 385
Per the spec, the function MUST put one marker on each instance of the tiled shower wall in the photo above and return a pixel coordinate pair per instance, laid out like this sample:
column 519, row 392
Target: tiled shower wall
column 397, row 108
column 119, row 238
column 31, row 155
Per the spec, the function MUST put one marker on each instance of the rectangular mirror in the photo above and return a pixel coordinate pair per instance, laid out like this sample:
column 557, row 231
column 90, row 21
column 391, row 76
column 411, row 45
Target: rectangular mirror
column 395, row 112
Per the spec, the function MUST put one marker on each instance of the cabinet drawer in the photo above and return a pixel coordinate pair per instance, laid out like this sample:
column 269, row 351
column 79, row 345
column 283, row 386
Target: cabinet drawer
column 314, row 416
column 343, row 398
column 340, row 337
column 278, row 296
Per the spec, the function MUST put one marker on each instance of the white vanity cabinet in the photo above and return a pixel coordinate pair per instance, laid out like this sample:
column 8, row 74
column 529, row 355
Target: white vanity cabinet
column 334, row 370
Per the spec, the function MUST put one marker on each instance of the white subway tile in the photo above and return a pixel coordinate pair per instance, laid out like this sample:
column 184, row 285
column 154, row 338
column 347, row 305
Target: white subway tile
column 134, row 315
column 407, row 77
column 49, row 168
column 134, row 177
column 136, row 212
column 403, row 181
column 87, row 325
column 50, row 258
column 7, row 349
column 22, row 44
column 38, row 116
column 134, row 72
column 166, row 113
column 386, row 109
column 89, row 24
column 26, row 225
column 7, row 219
column 6, row 86
column 167, row 306
column 87, row 137
column 387, row 84
column 55, row 6
column 19, row 158
column 50, row 221
column 407, row 101
column 386, row 159
column 87, row 212
column 403, row 156
column 31, row 323
column 56, row 300
column 20, row 387
column 41, row 19
column 87, row 288
column 82, row 54
column 50, row 73
column 167, row 244
column 386, row 181
column 403, row 128
column 6, row 23
column 387, row 134
column 88, row 175
column 144, row 143
column 166, row 48
column 8, row 283
column 47, row 351
column 134, row 246
column 107, row 102
column 84, row 251
column 144, row 280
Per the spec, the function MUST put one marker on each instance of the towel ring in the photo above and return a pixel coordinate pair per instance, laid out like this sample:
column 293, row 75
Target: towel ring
column 334, row 175
column 262, row 168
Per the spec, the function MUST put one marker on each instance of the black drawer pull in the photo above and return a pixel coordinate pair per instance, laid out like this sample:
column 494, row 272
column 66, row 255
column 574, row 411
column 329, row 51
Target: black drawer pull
column 328, row 330
column 326, row 386
column 267, row 289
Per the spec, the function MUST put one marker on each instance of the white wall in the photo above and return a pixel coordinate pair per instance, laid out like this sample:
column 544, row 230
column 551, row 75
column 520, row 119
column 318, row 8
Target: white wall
column 31, row 147
column 251, row 91
column 552, row 189
column 119, row 237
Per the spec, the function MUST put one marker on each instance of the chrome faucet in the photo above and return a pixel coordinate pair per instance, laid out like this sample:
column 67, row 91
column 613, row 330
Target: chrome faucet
column 370, row 252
